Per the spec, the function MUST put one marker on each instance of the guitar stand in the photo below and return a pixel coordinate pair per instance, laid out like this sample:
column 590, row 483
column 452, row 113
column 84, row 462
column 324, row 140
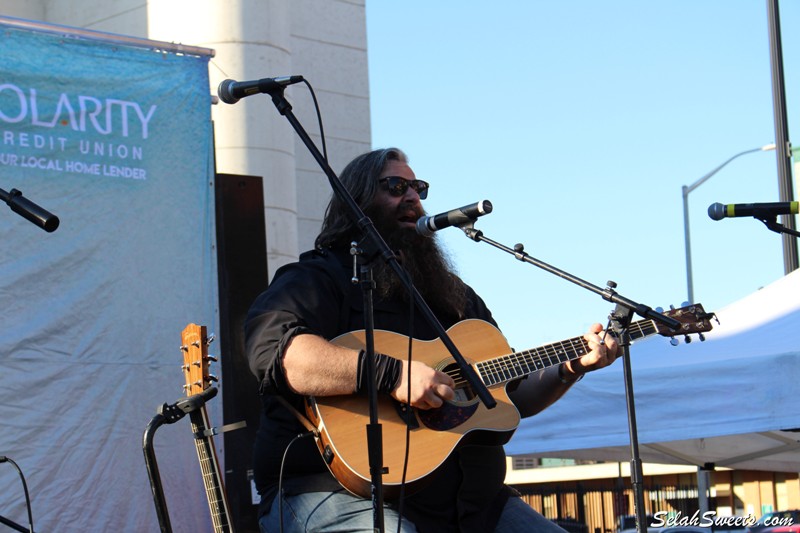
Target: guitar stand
column 169, row 414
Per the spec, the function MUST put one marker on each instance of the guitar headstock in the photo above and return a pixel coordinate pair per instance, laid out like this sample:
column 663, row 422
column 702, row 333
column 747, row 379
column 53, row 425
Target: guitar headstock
column 693, row 319
column 194, row 345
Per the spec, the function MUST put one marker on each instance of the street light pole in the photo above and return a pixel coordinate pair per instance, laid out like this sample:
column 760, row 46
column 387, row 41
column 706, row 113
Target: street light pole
column 686, row 189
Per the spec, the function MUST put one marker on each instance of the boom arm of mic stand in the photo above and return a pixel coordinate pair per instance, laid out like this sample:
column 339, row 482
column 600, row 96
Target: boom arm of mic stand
column 608, row 293
column 620, row 320
column 374, row 239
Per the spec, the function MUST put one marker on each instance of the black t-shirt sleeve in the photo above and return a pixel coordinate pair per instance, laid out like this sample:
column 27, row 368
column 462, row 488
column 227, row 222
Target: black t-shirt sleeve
column 304, row 297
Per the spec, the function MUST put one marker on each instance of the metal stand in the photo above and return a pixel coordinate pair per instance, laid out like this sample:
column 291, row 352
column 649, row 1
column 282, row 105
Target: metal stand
column 167, row 414
column 11, row 523
column 373, row 246
column 620, row 320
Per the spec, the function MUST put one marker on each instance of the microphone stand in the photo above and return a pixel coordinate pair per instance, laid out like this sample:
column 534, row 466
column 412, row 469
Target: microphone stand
column 373, row 246
column 620, row 319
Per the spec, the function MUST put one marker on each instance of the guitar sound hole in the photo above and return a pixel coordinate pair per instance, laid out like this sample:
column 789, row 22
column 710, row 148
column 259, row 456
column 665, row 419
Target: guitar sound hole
column 463, row 391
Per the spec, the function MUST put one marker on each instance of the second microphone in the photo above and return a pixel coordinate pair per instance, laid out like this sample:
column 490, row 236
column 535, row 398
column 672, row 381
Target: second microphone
column 455, row 217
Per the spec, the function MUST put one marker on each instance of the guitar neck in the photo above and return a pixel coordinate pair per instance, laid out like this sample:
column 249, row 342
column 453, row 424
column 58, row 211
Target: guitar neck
column 194, row 343
column 505, row 368
column 209, row 466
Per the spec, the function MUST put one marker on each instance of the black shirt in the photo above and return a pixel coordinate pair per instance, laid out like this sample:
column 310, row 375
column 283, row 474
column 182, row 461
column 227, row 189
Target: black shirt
column 315, row 295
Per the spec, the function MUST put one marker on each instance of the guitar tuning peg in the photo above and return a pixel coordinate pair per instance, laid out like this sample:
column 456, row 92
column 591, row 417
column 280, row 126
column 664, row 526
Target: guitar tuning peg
column 660, row 310
column 184, row 367
column 196, row 344
column 687, row 339
column 212, row 358
column 686, row 303
column 211, row 338
column 212, row 377
column 671, row 307
column 184, row 348
column 673, row 341
column 701, row 337
column 184, row 388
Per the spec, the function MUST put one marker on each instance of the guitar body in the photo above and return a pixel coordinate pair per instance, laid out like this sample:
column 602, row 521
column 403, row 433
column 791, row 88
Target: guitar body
column 342, row 420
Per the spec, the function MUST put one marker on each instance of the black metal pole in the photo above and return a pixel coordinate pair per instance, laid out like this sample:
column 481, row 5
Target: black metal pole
column 782, row 147
column 151, row 463
column 374, row 428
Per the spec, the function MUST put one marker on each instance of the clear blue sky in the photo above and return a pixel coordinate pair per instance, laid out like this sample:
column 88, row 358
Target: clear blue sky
column 580, row 121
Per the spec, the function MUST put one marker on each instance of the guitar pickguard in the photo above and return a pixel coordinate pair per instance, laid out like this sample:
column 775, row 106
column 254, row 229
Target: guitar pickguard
column 448, row 416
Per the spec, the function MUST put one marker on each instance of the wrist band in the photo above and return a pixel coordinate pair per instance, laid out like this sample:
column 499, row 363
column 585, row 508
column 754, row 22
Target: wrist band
column 387, row 372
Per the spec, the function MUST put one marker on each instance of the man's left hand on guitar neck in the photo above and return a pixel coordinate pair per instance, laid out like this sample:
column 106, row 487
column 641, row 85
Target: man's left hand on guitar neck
column 537, row 392
column 603, row 352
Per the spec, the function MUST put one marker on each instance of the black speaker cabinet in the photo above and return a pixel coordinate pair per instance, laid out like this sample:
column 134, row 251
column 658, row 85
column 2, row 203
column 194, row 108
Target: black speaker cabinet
column 242, row 270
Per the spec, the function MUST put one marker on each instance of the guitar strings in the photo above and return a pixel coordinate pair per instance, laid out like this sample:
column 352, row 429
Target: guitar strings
column 510, row 366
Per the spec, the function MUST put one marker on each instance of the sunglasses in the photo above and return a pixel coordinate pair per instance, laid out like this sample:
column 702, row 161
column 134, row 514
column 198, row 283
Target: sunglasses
column 398, row 186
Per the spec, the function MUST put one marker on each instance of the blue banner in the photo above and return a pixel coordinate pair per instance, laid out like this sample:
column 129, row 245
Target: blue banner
column 115, row 140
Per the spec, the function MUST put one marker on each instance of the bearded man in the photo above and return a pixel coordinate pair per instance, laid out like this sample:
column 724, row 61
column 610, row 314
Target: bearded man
column 288, row 332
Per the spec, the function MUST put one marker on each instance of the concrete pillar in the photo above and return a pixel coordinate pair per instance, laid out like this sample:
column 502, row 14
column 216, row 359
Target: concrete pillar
column 252, row 40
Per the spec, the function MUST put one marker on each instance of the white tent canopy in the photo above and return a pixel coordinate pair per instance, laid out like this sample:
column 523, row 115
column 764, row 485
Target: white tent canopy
column 726, row 401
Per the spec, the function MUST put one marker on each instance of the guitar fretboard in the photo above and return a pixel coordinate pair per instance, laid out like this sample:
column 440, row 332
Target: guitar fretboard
column 518, row 364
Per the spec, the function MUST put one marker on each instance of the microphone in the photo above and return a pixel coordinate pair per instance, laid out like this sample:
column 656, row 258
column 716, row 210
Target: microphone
column 30, row 210
column 230, row 91
column 718, row 211
column 462, row 216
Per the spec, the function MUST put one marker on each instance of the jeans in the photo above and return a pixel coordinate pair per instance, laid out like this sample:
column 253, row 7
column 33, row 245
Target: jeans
column 341, row 512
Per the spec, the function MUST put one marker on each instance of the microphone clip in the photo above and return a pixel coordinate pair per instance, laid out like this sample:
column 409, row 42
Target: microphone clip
column 470, row 231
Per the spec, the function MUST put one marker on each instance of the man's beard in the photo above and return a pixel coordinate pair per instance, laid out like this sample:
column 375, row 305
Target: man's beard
column 429, row 268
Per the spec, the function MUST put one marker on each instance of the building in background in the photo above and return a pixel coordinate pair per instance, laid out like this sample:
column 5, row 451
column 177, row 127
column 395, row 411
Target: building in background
column 322, row 40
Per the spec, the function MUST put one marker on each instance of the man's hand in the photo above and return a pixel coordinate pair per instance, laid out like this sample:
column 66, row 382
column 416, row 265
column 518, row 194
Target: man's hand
column 429, row 387
column 603, row 352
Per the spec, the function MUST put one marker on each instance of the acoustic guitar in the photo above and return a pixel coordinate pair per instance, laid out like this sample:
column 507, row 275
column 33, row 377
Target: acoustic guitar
column 434, row 434
column 194, row 345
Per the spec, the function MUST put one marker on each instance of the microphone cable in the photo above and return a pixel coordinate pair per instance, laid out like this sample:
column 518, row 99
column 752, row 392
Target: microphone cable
column 280, row 475
column 319, row 119
column 402, row 496
column 4, row 459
